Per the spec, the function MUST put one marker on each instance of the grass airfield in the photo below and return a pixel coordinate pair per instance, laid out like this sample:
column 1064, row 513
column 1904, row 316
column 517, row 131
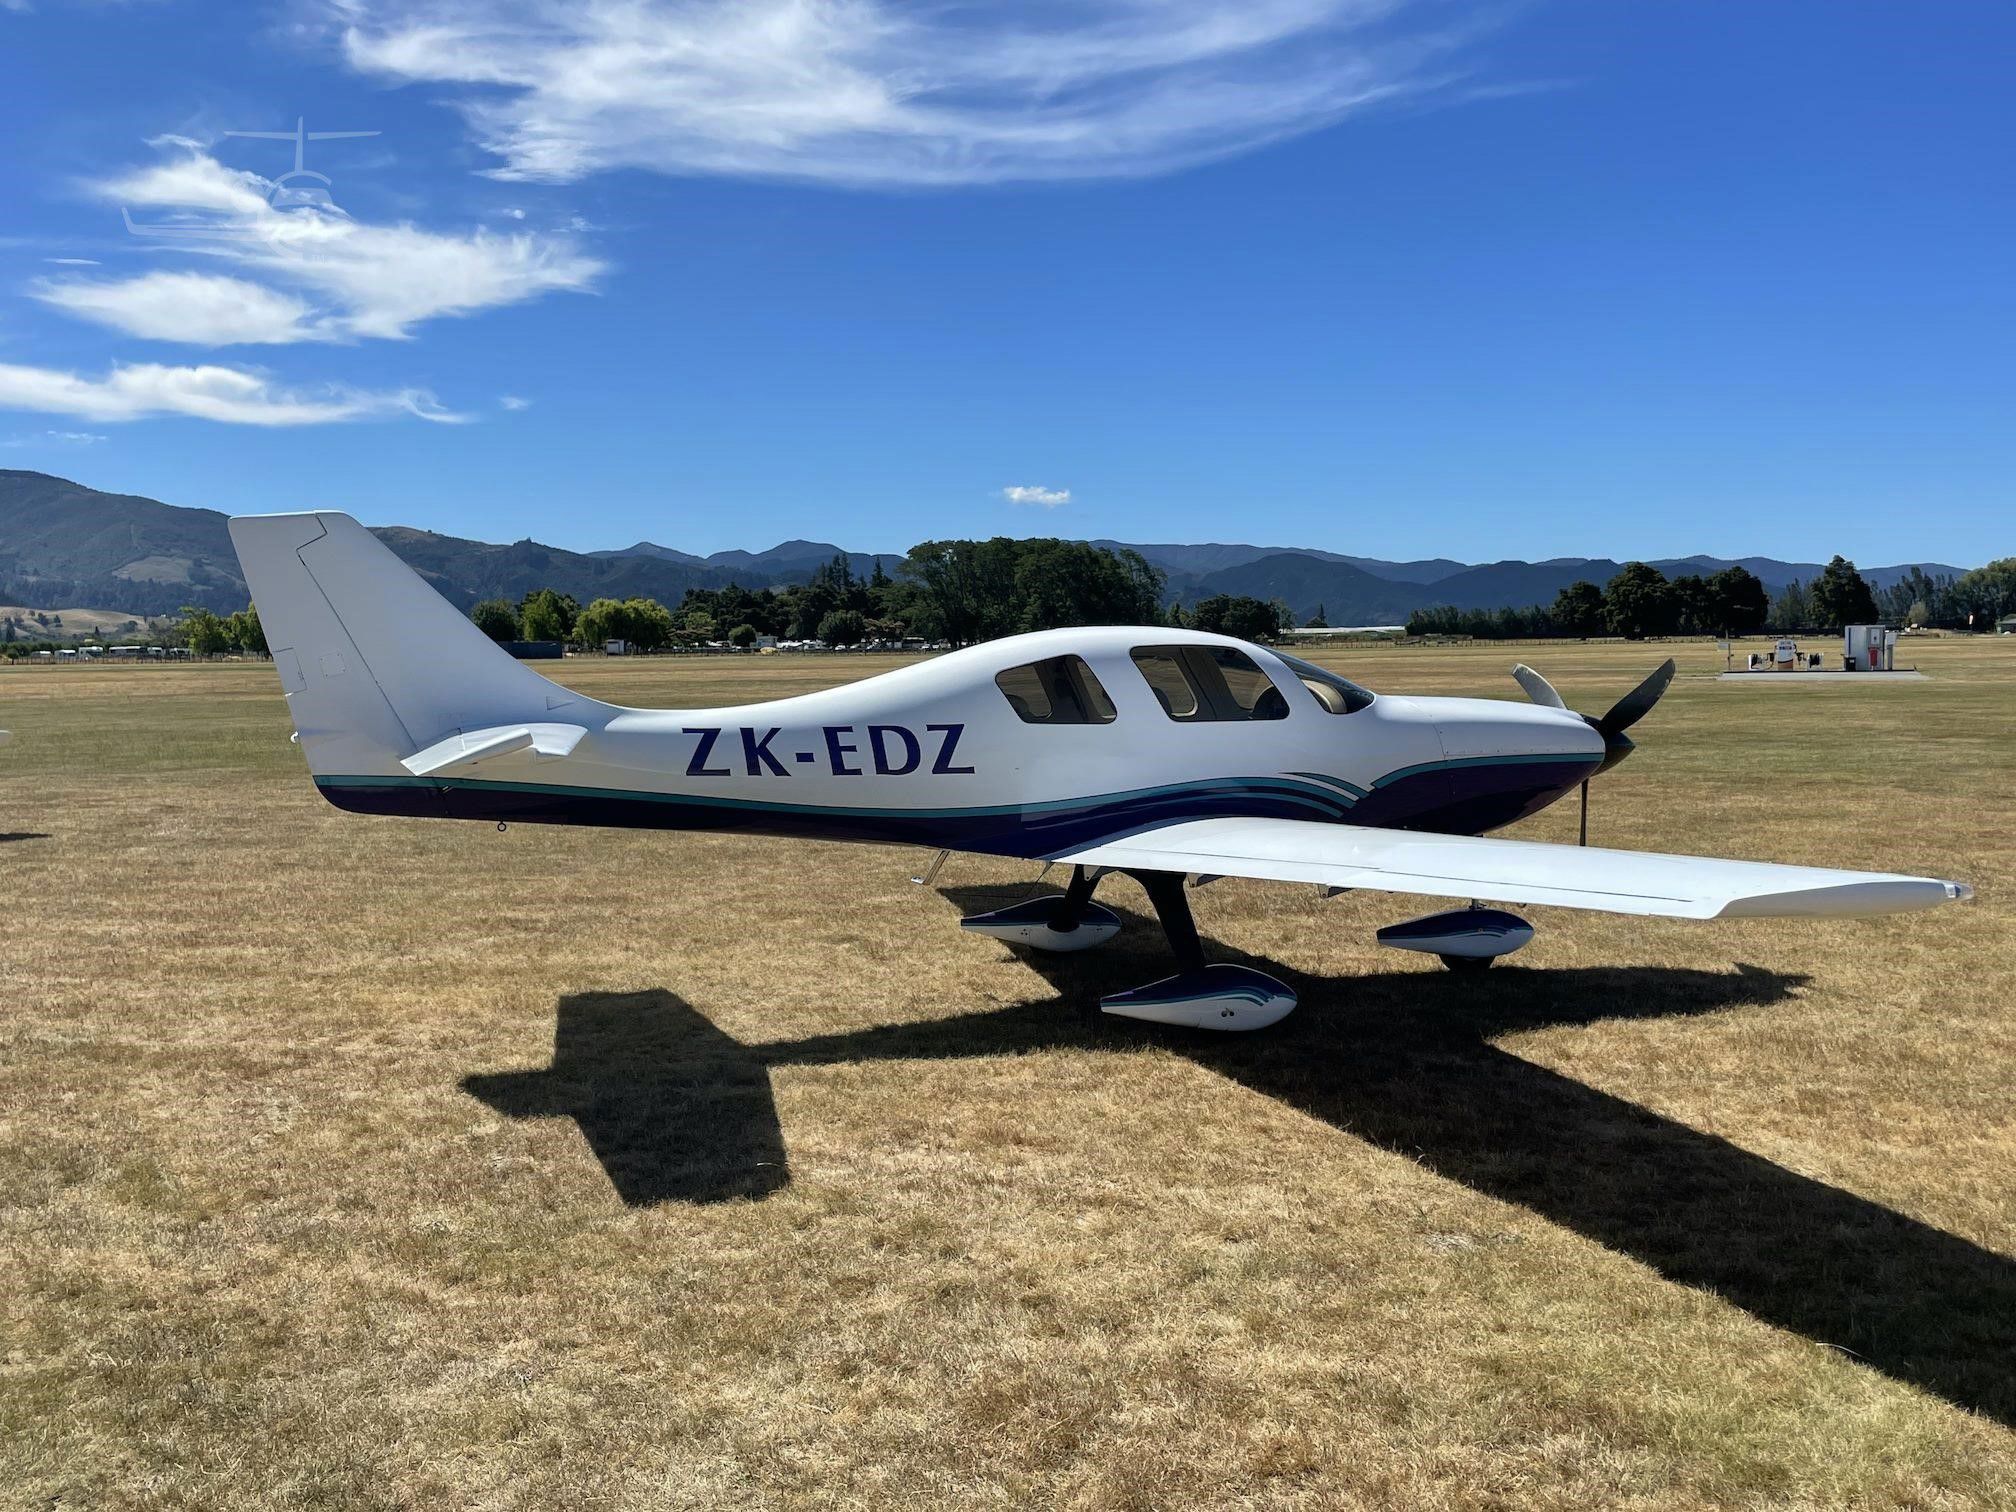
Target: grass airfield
column 379, row 1163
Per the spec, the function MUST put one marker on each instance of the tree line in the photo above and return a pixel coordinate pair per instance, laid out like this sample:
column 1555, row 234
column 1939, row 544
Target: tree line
column 199, row 631
column 955, row 592
column 959, row 592
column 1642, row 601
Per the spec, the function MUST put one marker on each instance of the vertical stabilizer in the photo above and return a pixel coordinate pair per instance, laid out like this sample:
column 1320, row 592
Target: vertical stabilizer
column 376, row 665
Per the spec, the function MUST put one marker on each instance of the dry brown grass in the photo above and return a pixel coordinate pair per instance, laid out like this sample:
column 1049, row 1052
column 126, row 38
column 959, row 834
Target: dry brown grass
column 376, row 1163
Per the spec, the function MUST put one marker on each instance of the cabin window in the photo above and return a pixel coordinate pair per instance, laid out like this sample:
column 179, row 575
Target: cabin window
column 1058, row 691
column 1337, row 695
column 1216, row 683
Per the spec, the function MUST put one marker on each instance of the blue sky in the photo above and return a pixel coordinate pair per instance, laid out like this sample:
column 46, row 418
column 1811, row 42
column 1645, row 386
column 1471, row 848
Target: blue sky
column 1393, row 277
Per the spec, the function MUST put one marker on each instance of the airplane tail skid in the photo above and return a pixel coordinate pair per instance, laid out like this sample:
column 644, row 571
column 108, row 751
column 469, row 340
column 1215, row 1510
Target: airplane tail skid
column 376, row 665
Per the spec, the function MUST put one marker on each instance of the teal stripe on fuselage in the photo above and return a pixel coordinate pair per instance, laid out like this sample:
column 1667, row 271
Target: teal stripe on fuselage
column 1352, row 789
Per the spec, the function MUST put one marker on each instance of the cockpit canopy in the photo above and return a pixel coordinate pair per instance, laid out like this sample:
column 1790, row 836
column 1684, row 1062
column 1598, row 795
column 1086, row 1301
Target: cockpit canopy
column 1215, row 683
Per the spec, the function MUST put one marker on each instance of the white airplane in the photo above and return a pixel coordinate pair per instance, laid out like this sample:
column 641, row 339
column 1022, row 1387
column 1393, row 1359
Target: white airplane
column 1155, row 752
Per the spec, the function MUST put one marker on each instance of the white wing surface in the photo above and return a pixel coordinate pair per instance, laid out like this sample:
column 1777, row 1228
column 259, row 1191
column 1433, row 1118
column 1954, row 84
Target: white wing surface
column 1513, row 871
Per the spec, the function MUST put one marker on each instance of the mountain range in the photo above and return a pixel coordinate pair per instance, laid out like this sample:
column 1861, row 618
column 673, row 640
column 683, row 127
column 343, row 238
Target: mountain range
column 65, row 545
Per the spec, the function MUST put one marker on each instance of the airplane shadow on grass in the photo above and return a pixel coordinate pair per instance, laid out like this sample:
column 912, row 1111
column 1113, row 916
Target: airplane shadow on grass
column 676, row 1110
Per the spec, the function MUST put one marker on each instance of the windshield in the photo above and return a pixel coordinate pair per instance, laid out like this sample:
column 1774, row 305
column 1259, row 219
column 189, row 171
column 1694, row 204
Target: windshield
column 1338, row 695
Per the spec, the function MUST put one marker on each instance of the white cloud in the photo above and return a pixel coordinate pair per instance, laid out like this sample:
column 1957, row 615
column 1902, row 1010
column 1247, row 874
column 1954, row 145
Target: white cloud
column 203, row 308
column 513, row 402
column 192, row 180
column 1043, row 498
column 321, row 276
column 55, row 438
column 141, row 391
column 883, row 92
column 73, row 262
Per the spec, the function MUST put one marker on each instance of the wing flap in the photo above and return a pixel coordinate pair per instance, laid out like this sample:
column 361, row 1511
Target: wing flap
column 1513, row 871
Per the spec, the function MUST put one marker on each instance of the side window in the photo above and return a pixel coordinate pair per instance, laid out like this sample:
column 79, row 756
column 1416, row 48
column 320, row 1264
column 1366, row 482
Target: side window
column 1338, row 695
column 1170, row 683
column 1250, row 689
column 1209, row 683
column 1059, row 691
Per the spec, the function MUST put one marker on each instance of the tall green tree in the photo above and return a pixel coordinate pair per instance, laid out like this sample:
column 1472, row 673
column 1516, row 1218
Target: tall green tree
column 496, row 618
column 203, row 632
column 1740, row 602
column 1693, row 604
column 1983, row 596
column 1578, row 610
column 1240, row 616
column 1639, row 602
column 644, row 623
column 843, row 627
column 1839, row 596
column 1790, row 609
column 976, row 590
column 1059, row 583
column 548, row 616
column 245, row 631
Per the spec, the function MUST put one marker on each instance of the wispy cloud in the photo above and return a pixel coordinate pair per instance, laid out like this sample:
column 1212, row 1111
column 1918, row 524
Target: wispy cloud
column 881, row 92
column 1042, row 498
column 201, row 308
column 73, row 262
column 56, row 438
column 513, row 402
column 141, row 391
column 301, row 275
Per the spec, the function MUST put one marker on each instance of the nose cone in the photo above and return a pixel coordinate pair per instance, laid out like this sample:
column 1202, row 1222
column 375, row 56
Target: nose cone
column 1488, row 763
column 1493, row 727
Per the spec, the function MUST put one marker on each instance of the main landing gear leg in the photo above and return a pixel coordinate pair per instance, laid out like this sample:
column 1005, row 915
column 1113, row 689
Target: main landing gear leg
column 1199, row 996
column 1072, row 922
column 1070, row 910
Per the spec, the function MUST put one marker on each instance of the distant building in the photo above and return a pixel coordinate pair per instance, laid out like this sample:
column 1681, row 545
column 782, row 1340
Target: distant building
column 2006, row 625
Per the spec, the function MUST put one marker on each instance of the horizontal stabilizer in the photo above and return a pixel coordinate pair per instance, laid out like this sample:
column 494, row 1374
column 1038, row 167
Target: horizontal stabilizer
column 1513, row 871
column 460, row 754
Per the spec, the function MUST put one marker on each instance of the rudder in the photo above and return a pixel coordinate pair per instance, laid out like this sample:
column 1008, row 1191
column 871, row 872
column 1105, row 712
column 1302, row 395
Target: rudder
column 375, row 663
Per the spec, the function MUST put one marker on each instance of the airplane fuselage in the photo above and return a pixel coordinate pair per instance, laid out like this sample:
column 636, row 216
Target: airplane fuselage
column 936, row 754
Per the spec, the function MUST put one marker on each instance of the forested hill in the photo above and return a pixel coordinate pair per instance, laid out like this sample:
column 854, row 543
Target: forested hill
column 63, row 544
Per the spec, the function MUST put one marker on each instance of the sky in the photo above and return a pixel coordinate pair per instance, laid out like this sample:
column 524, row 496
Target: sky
column 1398, row 278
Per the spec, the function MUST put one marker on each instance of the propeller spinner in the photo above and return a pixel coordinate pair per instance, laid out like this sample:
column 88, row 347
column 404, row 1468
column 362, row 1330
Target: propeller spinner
column 1623, row 714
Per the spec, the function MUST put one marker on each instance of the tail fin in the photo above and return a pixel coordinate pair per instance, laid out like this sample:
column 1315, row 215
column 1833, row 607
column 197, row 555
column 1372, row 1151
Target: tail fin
column 376, row 665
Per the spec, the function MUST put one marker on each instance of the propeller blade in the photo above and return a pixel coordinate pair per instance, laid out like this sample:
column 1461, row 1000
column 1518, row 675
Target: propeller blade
column 1537, row 687
column 1584, row 838
column 1636, row 704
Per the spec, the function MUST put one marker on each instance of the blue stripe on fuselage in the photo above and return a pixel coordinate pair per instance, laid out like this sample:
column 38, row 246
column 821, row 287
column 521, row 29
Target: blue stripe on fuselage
column 1465, row 796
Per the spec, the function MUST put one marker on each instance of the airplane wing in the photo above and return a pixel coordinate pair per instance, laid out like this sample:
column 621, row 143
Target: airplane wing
column 1512, row 871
